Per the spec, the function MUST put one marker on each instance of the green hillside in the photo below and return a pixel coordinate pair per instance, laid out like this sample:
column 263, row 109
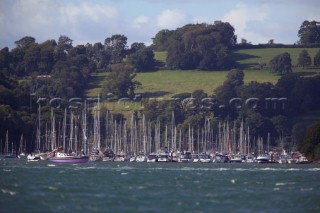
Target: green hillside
column 251, row 57
column 165, row 83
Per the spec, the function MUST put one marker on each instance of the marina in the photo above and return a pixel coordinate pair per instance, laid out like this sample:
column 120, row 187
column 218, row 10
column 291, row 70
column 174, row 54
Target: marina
column 141, row 140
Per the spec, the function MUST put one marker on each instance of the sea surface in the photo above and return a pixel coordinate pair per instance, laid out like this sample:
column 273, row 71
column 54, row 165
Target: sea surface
column 158, row 187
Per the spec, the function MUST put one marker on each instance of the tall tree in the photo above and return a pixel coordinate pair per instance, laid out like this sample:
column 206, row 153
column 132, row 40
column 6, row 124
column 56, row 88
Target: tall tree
column 4, row 58
column 116, row 45
column 281, row 64
column 46, row 61
column 228, row 38
column 310, row 145
column 260, row 92
column 136, row 46
column 31, row 58
column 98, row 55
column 286, row 83
column 61, row 50
column 235, row 78
column 304, row 59
column 25, row 42
column 142, row 60
column 201, row 46
column 162, row 40
column 120, row 82
column 229, row 90
column 309, row 33
column 65, row 42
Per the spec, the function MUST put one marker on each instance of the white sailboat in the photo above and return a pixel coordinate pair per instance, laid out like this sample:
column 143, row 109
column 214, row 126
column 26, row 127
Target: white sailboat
column 9, row 152
column 35, row 155
column 22, row 153
column 152, row 157
column 96, row 154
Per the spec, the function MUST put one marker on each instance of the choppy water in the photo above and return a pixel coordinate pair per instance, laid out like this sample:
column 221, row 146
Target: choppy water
column 158, row 187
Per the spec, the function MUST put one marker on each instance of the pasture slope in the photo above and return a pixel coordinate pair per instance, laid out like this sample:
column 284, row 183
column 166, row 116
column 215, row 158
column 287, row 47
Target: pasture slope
column 166, row 83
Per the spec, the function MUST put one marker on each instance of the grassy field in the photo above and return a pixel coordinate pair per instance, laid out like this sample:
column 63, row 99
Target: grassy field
column 166, row 83
column 254, row 56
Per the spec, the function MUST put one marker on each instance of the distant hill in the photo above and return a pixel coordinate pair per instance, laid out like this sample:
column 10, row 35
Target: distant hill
column 165, row 83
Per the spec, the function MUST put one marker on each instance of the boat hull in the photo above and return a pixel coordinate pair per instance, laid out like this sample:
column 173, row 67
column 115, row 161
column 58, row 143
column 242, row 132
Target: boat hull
column 81, row 159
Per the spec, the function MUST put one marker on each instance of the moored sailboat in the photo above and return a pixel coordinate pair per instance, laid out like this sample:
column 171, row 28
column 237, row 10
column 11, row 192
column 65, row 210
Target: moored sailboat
column 163, row 157
column 61, row 157
column 9, row 154
column 263, row 158
column 152, row 157
column 22, row 153
column 141, row 157
column 205, row 158
column 185, row 157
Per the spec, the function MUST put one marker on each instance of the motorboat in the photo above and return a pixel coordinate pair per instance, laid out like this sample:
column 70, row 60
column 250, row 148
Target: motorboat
column 185, row 157
column 250, row 159
column 152, row 157
column 235, row 159
column 163, row 157
column 204, row 158
column 263, row 158
column 141, row 157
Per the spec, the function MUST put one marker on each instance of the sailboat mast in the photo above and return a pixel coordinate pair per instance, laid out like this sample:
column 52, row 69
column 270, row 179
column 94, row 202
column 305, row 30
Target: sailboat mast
column 53, row 131
column 7, row 142
column 71, row 131
column 172, row 130
column 98, row 125
column 84, row 129
column 39, row 125
column 180, row 140
column 64, row 130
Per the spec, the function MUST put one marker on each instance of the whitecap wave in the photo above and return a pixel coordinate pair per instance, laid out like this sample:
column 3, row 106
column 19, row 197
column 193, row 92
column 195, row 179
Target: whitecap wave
column 280, row 184
column 12, row 193
column 313, row 169
column 242, row 169
column 222, row 169
column 283, row 184
column 294, row 169
column 52, row 188
column 84, row 168
column 268, row 169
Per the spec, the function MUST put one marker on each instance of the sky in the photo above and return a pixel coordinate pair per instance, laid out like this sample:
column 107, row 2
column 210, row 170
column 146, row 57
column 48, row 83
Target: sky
column 91, row 21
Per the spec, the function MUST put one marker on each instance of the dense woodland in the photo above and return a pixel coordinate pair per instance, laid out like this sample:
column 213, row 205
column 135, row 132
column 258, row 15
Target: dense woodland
column 54, row 69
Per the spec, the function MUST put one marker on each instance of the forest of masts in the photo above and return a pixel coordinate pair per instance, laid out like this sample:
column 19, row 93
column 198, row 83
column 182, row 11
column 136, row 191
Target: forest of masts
column 142, row 136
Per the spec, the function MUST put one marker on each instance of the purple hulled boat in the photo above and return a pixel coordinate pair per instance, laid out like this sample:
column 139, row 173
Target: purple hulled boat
column 65, row 158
